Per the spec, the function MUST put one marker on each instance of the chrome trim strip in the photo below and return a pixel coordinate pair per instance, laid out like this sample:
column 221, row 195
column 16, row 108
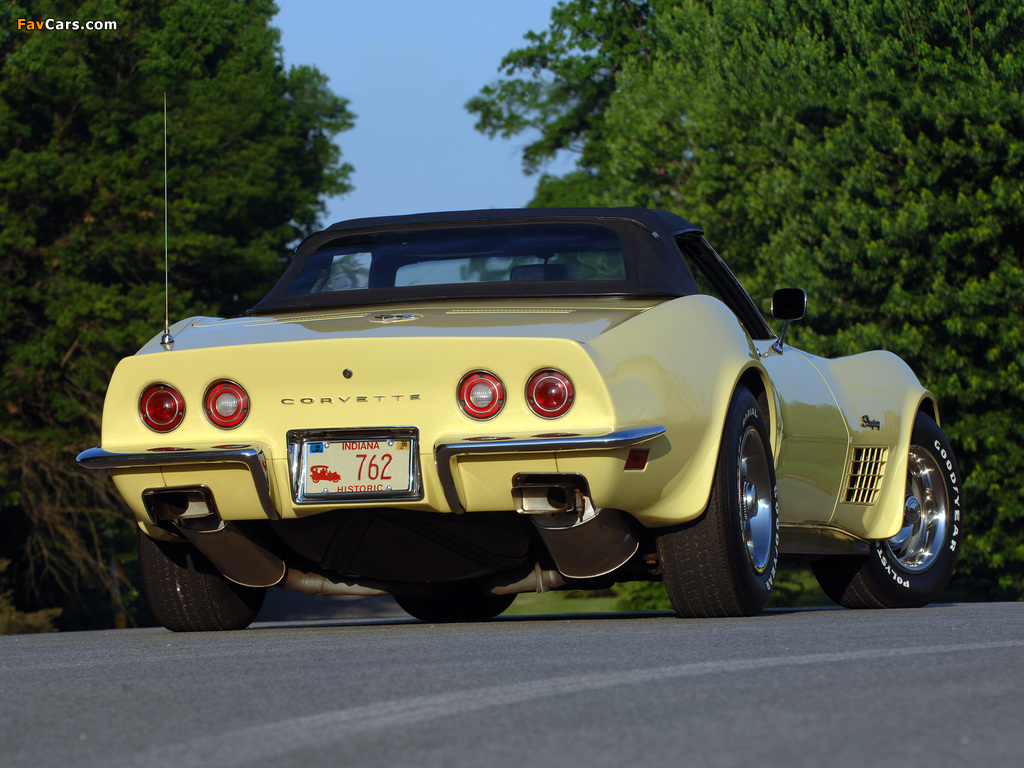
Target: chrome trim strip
column 445, row 452
column 97, row 458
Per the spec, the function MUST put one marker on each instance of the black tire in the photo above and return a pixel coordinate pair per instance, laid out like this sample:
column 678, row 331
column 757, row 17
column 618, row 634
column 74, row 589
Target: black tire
column 454, row 603
column 913, row 567
column 187, row 594
column 723, row 563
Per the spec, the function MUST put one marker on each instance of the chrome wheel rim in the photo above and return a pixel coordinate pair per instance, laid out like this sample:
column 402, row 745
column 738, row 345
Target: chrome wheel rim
column 755, row 496
column 925, row 514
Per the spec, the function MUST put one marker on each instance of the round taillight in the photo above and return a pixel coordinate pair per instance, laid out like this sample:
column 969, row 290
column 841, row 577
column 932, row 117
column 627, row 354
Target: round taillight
column 161, row 407
column 226, row 404
column 481, row 395
column 549, row 393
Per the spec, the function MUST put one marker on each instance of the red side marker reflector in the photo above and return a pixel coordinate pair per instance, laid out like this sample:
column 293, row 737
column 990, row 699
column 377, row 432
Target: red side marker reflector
column 637, row 458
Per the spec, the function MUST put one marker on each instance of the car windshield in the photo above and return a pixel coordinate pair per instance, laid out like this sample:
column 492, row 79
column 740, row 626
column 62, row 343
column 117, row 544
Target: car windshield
column 540, row 252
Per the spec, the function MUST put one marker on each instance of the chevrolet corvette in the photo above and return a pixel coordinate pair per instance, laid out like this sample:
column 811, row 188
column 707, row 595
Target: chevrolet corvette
column 456, row 408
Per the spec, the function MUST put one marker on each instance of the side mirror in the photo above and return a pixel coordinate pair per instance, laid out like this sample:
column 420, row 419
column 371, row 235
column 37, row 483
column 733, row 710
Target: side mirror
column 787, row 304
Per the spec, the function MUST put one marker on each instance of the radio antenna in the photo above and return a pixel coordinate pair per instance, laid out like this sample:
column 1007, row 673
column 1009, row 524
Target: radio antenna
column 166, row 341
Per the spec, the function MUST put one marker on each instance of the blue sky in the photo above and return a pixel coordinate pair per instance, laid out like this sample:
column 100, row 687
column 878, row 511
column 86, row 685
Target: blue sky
column 408, row 67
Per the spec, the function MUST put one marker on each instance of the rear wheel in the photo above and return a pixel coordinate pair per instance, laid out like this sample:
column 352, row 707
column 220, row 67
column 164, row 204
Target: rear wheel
column 723, row 563
column 455, row 603
column 187, row 594
column 912, row 568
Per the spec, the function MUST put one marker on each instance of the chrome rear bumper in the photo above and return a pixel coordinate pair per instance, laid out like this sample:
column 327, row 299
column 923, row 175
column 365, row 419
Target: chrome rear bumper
column 249, row 456
column 445, row 452
column 253, row 458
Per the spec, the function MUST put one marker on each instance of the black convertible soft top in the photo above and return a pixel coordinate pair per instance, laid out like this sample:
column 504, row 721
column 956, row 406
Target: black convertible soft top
column 645, row 248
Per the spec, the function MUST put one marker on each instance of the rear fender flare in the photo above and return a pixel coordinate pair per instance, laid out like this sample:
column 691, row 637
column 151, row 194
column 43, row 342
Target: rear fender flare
column 648, row 367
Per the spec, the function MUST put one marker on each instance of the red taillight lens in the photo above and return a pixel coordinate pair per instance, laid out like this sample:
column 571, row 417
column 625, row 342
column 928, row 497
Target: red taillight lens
column 549, row 393
column 226, row 404
column 481, row 395
column 161, row 407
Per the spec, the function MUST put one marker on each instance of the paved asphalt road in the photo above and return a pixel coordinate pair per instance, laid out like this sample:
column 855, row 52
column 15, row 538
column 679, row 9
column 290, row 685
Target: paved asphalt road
column 941, row 686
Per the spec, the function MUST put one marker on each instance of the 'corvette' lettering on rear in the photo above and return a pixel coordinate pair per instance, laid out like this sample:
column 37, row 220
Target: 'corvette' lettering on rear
column 335, row 400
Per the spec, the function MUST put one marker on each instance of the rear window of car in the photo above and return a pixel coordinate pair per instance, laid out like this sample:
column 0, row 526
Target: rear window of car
column 538, row 253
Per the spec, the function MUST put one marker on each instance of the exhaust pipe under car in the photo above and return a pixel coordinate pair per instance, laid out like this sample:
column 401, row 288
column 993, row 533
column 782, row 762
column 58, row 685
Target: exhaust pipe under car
column 584, row 541
column 193, row 514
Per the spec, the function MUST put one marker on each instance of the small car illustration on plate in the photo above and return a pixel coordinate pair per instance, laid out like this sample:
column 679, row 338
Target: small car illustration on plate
column 321, row 473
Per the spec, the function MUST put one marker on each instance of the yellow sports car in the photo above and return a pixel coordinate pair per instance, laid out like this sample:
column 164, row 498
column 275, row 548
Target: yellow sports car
column 457, row 408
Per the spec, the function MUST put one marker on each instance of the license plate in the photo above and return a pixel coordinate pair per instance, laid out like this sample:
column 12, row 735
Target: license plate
column 360, row 467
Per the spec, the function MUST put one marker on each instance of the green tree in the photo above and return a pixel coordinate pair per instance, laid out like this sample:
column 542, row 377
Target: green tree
column 573, row 69
column 872, row 153
column 250, row 155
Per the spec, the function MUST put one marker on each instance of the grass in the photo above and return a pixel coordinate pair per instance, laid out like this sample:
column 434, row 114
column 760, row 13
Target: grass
column 572, row 601
column 796, row 587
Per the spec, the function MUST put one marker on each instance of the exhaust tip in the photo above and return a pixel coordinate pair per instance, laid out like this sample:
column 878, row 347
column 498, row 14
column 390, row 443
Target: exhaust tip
column 535, row 493
column 179, row 503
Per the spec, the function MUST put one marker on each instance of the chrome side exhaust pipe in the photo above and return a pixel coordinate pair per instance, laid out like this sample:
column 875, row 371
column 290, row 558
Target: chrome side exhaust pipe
column 192, row 512
column 583, row 540
column 239, row 558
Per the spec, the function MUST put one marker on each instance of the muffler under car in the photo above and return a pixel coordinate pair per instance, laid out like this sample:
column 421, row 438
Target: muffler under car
column 584, row 541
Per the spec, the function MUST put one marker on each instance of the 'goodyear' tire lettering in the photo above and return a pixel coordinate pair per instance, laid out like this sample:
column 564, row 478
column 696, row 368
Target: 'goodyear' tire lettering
column 912, row 568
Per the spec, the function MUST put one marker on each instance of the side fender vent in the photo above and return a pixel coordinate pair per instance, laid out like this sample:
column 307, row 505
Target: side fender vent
column 864, row 480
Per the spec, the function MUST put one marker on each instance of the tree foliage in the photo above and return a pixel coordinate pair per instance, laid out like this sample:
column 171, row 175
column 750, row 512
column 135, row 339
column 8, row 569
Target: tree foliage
column 872, row 153
column 250, row 154
column 573, row 69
